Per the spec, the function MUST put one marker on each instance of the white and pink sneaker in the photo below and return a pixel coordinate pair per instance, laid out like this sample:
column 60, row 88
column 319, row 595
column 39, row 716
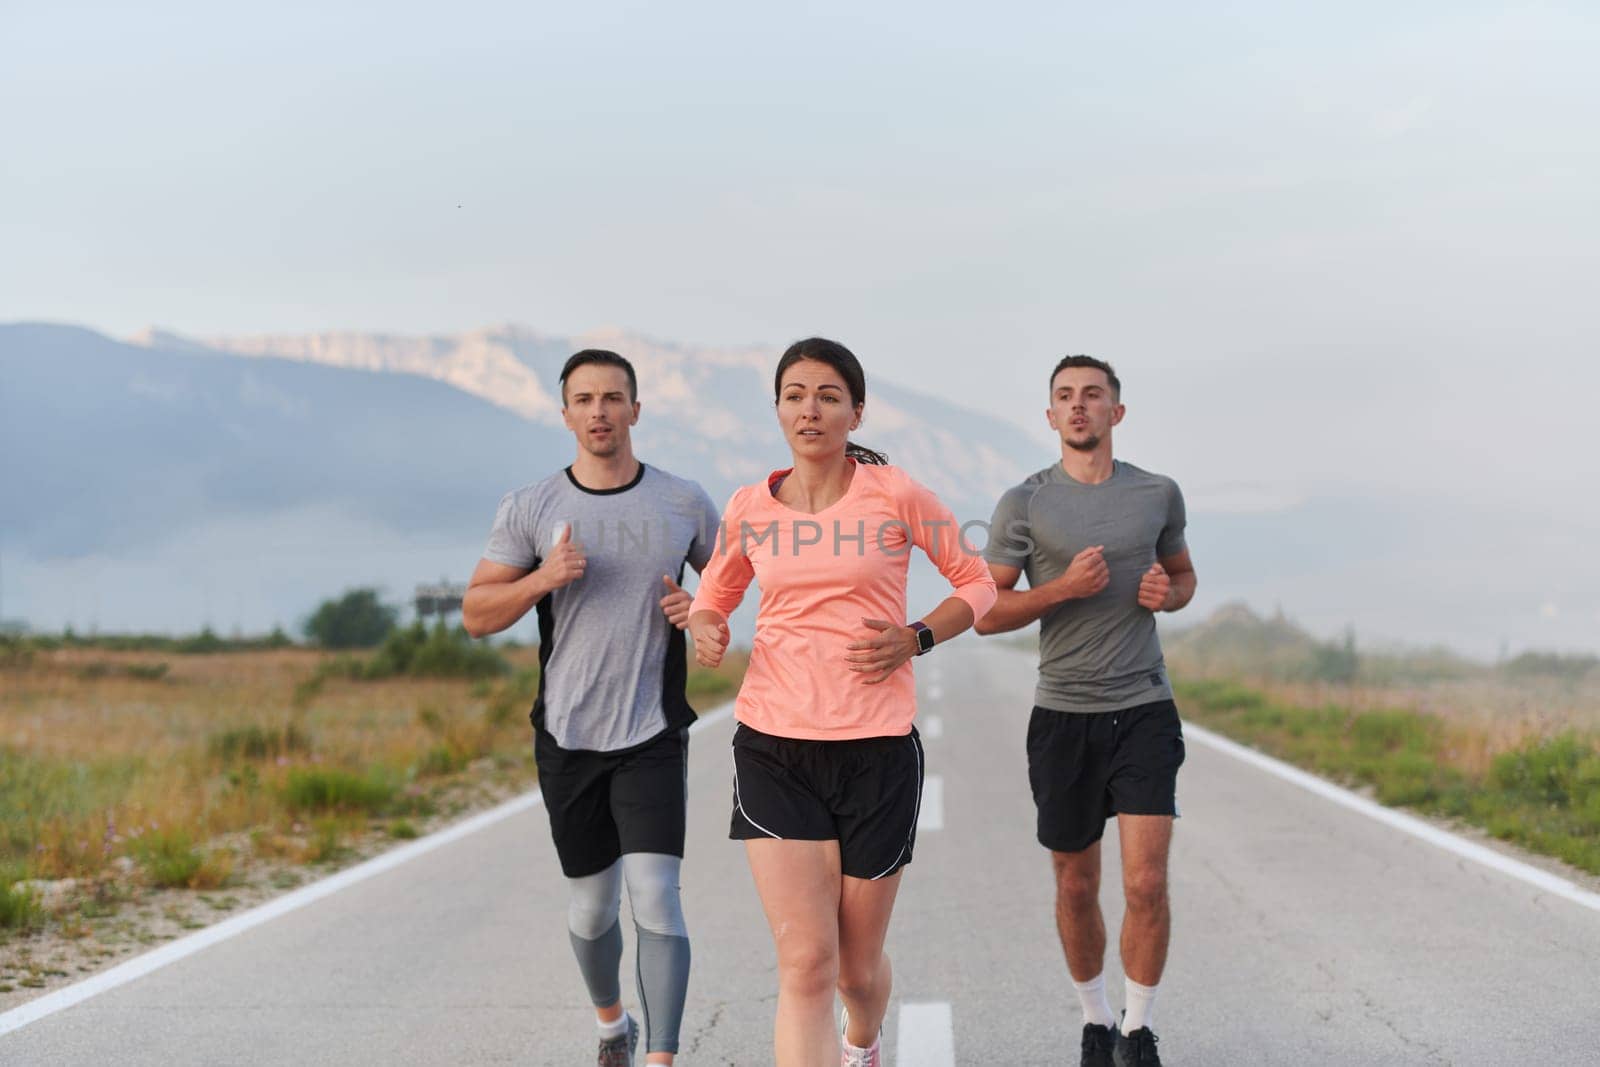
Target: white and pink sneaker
column 858, row 1057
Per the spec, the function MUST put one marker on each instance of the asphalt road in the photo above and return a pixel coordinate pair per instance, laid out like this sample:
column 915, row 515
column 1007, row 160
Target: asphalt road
column 1304, row 933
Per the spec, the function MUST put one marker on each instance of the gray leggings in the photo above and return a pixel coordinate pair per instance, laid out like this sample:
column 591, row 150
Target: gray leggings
column 593, row 919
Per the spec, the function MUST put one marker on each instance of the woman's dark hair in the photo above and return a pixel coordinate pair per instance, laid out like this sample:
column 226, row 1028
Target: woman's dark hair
column 841, row 359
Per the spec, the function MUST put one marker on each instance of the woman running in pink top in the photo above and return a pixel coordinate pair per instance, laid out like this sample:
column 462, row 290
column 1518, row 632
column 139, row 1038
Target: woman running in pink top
column 827, row 765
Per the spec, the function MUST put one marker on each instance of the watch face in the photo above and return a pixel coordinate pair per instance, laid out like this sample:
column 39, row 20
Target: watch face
column 924, row 639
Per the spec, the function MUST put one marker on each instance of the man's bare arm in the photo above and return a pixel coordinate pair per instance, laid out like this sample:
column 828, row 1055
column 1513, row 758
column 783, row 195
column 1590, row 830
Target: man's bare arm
column 1169, row 583
column 498, row 595
column 1180, row 569
column 1013, row 608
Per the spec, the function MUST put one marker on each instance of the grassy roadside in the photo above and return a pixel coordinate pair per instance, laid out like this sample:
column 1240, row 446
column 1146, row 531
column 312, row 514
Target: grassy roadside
column 169, row 784
column 1540, row 792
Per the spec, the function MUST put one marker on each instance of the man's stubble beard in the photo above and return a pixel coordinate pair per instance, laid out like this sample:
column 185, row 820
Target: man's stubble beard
column 605, row 452
column 1087, row 444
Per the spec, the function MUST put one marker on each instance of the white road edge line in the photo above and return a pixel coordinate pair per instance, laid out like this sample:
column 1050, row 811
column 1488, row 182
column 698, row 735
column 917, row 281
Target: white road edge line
column 1399, row 820
column 926, row 1035
column 130, row 970
column 931, row 815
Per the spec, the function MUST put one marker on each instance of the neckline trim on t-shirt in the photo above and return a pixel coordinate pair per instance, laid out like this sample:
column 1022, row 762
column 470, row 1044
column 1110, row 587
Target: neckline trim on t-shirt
column 1061, row 473
column 573, row 478
column 776, row 479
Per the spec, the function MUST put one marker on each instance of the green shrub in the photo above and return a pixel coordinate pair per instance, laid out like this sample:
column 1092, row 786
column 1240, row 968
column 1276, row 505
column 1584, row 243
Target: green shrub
column 306, row 690
column 515, row 697
column 204, row 642
column 440, row 760
column 169, row 858
column 1218, row 695
column 358, row 619
column 146, row 672
column 19, row 908
column 1542, row 773
column 15, row 652
column 259, row 742
column 326, row 840
column 441, row 652
column 320, row 789
column 1379, row 733
column 1550, row 665
column 36, row 790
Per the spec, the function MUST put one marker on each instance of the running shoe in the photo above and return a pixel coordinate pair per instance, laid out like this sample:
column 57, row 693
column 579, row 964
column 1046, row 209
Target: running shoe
column 618, row 1051
column 1098, row 1042
column 851, row 1056
column 1137, row 1049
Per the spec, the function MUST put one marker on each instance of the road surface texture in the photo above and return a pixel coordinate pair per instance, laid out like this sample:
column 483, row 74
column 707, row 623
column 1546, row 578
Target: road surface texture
column 1304, row 933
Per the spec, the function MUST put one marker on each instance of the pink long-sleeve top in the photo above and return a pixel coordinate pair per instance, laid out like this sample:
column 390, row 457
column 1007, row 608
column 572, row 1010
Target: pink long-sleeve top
column 820, row 575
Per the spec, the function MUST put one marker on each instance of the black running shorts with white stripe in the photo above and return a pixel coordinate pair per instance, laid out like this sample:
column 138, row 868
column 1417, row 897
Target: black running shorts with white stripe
column 864, row 793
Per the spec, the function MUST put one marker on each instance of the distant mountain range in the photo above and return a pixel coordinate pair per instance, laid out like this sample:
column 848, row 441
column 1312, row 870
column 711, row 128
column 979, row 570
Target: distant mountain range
column 302, row 458
column 165, row 481
column 707, row 414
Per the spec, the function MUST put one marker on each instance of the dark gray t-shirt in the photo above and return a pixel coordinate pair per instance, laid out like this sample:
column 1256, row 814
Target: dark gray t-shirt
column 612, row 668
column 1100, row 653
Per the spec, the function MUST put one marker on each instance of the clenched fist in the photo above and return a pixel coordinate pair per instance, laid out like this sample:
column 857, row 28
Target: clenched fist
column 1087, row 574
column 1153, row 587
column 675, row 605
column 566, row 562
column 710, row 633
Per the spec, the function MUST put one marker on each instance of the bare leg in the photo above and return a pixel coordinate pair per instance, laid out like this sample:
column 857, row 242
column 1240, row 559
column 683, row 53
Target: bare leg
column 1147, row 923
column 799, row 886
column 1078, row 919
column 865, row 977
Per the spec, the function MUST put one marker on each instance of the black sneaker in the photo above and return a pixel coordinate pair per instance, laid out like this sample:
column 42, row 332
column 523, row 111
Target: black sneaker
column 1098, row 1041
column 1137, row 1049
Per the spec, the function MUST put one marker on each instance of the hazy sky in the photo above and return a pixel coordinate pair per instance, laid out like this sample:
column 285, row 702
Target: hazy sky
column 1337, row 252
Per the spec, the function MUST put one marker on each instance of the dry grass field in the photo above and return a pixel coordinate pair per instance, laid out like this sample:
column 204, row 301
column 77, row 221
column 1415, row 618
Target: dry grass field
column 144, row 793
column 1516, row 761
column 128, row 778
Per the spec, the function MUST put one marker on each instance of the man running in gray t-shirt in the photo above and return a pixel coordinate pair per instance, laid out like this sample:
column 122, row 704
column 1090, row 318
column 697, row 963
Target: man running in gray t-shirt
column 1102, row 544
column 598, row 550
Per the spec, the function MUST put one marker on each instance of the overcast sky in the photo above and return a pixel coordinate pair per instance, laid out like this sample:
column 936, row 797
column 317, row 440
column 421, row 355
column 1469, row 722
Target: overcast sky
column 1348, row 252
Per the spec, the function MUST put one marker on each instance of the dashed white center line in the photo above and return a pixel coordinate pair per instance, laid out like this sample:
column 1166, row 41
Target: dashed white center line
column 935, row 691
column 927, row 1036
column 931, row 815
column 932, row 728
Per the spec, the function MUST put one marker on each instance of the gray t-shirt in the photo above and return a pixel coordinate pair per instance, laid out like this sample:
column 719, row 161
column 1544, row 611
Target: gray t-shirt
column 1100, row 653
column 611, row 667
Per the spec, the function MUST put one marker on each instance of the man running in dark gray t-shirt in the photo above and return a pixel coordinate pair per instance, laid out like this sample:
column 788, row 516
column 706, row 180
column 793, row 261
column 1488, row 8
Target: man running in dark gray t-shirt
column 1102, row 544
column 597, row 551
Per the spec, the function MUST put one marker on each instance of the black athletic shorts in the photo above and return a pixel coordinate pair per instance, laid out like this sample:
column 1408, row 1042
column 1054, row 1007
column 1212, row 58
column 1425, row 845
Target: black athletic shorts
column 865, row 794
column 602, row 804
column 1085, row 768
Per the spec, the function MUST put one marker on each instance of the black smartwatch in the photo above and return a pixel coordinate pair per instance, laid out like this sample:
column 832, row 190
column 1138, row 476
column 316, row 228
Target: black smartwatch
column 924, row 637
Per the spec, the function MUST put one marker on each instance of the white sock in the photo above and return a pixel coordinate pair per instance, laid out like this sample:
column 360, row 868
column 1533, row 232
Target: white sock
column 616, row 1029
column 1141, row 1005
column 1092, row 995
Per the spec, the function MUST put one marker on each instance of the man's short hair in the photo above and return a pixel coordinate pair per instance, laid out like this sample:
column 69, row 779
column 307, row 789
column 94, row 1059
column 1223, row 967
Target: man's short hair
column 1089, row 361
column 605, row 358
